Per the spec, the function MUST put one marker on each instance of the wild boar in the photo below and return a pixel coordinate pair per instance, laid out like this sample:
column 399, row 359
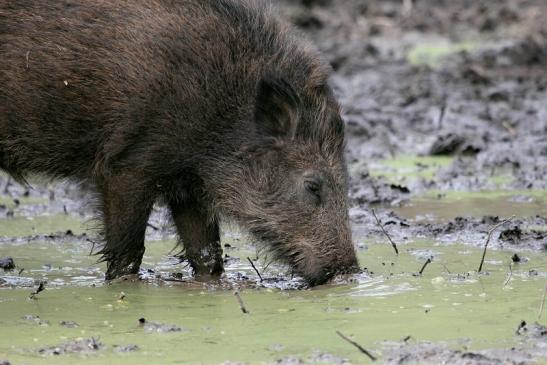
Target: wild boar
column 211, row 106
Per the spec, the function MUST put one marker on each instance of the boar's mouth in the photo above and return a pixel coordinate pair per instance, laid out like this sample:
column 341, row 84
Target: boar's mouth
column 304, row 262
column 323, row 275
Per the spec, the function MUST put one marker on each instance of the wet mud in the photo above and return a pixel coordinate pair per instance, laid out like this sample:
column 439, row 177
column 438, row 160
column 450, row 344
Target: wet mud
column 444, row 103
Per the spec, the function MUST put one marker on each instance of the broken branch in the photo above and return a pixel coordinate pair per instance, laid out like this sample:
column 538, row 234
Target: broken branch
column 425, row 265
column 383, row 230
column 359, row 347
column 254, row 267
column 489, row 237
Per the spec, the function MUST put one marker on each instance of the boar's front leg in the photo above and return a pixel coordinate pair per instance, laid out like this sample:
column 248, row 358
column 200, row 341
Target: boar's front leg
column 126, row 207
column 200, row 237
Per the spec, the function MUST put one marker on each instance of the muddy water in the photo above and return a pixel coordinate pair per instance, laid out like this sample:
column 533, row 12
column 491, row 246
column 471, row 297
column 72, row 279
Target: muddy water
column 451, row 77
column 449, row 303
column 78, row 318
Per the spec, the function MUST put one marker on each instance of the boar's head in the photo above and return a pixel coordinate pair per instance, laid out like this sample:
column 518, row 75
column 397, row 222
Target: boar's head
column 293, row 192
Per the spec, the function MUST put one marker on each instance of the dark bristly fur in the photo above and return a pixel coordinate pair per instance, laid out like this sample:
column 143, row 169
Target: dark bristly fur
column 210, row 105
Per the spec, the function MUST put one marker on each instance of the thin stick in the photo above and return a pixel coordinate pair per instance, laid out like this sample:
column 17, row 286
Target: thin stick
column 240, row 301
column 383, row 230
column 40, row 288
column 254, row 267
column 359, row 347
column 542, row 301
column 509, row 276
column 490, row 236
column 425, row 265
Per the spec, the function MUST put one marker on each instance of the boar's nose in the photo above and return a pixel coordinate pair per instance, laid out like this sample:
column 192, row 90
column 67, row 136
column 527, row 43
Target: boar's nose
column 323, row 275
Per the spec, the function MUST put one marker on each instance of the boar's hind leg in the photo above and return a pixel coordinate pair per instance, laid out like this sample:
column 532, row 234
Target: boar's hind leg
column 126, row 208
column 200, row 238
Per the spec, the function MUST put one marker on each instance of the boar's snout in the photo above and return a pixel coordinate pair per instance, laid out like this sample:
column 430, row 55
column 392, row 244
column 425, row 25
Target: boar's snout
column 316, row 273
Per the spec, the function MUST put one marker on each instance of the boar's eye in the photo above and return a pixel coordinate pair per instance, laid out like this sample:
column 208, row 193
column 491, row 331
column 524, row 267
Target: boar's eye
column 313, row 186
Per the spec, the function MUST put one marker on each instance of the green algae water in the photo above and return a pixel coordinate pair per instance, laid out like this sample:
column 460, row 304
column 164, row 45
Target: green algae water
column 449, row 302
column 446, row 206
column 80, row 319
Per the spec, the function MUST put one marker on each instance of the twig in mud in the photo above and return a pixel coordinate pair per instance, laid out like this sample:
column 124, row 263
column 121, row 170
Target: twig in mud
column 489, row 237
column 509, row 276
column 153, row 227
column 446, row 268
column 254, row 267
column 240, row 301
column 442, row 114
column 542, row 301
column 383, row 230
column 425, row 265
column 40, row 288
column 359, row 347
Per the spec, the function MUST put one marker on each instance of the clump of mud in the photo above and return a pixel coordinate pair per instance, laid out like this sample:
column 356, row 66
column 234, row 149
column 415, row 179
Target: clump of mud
column 432, row 353
column 484, row 103
column 317, row 357
column 78, row 346
column 520, row 233
column 534, row 330
column 7, row 263
column 156, row 327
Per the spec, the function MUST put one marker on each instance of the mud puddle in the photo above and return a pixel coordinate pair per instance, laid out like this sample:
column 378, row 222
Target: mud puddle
column 77, row 318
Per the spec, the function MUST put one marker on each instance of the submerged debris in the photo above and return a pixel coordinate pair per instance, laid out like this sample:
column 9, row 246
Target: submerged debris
column 431, row 353
column 126, row 348
column 78, row 346
column 535, row 330
column 36, row 319
column 69, row 324
column 158, row 327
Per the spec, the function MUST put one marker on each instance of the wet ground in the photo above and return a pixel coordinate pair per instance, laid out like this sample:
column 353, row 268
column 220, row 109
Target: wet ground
column 445, row 104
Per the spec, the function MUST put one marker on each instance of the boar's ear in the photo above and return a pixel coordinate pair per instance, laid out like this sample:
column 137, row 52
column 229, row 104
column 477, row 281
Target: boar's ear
column 276, row 111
